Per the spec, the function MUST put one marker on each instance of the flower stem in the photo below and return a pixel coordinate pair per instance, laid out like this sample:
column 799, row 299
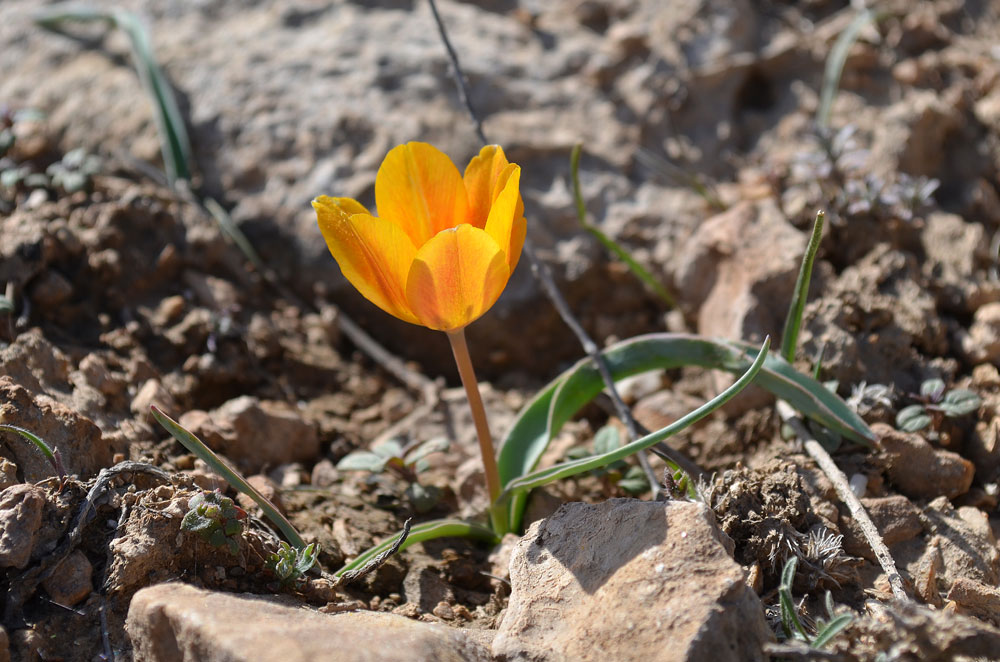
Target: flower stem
column 461, row 351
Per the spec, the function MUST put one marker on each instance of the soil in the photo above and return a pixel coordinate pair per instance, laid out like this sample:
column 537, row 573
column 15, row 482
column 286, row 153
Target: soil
column 126, row 293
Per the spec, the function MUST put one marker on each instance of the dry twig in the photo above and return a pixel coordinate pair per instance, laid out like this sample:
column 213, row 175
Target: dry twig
column 843, row 488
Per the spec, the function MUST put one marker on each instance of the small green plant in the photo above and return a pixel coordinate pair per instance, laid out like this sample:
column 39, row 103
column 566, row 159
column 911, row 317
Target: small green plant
column 934, row 404
column 216, row 518
column 206, row 455
column 290, row 565
column 629, row 478
column 826, row 630
column 404, row 461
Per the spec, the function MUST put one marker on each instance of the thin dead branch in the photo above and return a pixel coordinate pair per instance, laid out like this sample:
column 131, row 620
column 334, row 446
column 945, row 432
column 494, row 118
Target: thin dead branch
column 843, row 488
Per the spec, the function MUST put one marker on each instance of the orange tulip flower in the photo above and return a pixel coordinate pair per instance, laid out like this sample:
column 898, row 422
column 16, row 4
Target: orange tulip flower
column 439, row 254
column 443, row 246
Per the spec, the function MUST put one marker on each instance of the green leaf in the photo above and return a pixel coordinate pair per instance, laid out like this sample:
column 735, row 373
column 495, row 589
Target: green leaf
column 362, row 461
column 793, row 320
column 443, row 528
column 216, row 463
column 529, row 436
column 606, row 440
column 831, row 630
column 423, row 497
column 389, row 448
column 835, row 64
column 37, row 441
column 542, row 477
column 912, row 419
column 932, row 389
column 435, row 445
column 542, row 418
column 789, row 616
column 634, row 482
column 960, row 402
column 174, row 143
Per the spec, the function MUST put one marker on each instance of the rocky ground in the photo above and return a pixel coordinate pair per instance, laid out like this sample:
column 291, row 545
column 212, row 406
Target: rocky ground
column 702, row 158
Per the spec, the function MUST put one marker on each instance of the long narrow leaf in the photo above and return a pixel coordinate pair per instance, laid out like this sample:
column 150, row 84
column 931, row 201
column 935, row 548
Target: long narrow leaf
column 50, row 455
column 545, row 414
column 835, row 64
column 566, row 469
column 610, row 244
column 831, row 630
column 219, row 466
column 444, row 528
column 793, row 320
column 175, row 145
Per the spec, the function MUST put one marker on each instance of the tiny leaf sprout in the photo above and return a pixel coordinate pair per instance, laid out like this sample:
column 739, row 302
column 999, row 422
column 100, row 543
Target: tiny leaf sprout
column 404, row 461
column 289, row 565
column 216, row 518
column 934, row 403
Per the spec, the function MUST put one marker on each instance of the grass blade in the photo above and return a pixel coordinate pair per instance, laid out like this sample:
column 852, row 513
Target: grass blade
column 567, row 469
column 175, row 145
column 793, row 321
column 557, row 403
column 444, row 528
column 610, row 244
column 218, row 465
column 831, row 630
column 835, row 65
column 40, row 444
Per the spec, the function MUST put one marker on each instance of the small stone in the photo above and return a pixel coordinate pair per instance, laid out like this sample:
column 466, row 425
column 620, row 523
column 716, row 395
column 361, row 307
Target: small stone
column 4, row 645
column 8, row 473
column 255, row 433
column 20, row 518
column 153, row 393
column 51, row 289
column 176, row 622
column 921, row 471
column 976, row 598
column 424, row 587
column 982, row 342
column 629, row 580
column 444, row 611
column 70, row 582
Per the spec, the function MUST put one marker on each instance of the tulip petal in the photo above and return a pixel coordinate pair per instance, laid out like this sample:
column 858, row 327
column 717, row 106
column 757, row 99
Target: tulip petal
column 482, row 176
column 506, row 224
column 418, row 187
column 374, row 254
column 456, row 277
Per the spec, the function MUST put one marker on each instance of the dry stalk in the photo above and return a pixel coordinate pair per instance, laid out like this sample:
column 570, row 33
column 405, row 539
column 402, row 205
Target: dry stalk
column 843, row 488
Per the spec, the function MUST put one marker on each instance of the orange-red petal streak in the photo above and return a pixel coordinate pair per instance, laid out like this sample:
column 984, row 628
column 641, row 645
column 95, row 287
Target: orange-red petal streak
column 456, row 277
column 418, row 187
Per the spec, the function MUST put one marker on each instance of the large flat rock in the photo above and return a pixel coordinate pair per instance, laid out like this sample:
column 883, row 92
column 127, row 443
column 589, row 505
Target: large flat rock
column 629, row 580
column 180, row 623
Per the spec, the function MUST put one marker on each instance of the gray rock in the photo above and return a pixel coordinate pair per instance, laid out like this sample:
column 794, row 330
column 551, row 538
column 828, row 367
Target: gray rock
column 629, row 580
column 20, row 518
column 180, row 623
column 737, row 266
